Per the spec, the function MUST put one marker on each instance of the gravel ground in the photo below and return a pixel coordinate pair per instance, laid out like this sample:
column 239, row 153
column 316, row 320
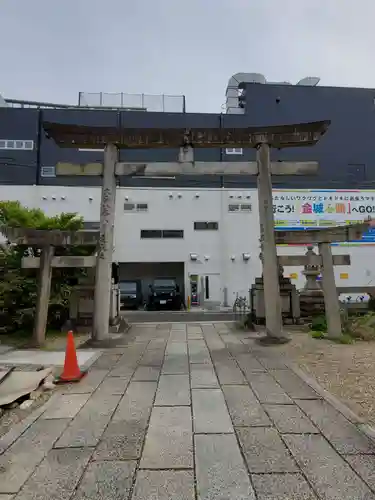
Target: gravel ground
column 347, row 371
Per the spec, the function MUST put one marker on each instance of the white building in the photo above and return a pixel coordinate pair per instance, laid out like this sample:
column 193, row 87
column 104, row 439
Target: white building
column 208, row 236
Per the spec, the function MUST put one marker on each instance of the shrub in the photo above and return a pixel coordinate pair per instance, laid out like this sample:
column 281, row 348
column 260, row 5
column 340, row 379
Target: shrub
column 18, row 287
column 319, row 324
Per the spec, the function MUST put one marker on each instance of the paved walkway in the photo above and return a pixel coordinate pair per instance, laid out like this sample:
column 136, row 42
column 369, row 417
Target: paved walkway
column 187, row 411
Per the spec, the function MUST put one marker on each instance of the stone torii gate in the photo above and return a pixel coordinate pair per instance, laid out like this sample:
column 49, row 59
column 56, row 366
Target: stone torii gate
column 187, row 139
column 46, row 240
column 324, row 237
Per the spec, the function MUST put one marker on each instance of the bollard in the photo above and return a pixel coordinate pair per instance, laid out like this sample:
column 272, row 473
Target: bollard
column 188, row 303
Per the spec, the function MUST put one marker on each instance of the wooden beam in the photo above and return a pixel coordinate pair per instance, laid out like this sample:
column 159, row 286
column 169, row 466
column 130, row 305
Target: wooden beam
column 61, row 262
column 312, row 260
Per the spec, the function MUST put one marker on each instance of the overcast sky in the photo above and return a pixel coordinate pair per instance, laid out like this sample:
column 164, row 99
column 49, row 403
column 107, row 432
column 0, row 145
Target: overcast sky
column 50, row 50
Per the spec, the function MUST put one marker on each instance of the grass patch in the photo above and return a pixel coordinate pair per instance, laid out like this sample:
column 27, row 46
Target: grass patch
column 345, row 338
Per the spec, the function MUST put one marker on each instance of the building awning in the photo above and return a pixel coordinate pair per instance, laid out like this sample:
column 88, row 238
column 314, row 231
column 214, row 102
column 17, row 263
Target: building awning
column 282, row 136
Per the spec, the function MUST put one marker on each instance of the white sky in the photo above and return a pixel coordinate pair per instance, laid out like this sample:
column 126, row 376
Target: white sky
column 50, row 50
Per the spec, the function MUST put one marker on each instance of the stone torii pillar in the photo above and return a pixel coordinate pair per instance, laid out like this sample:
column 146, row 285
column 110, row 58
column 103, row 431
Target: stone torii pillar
column 274, row 324
column 324, row 238
column 103, row 276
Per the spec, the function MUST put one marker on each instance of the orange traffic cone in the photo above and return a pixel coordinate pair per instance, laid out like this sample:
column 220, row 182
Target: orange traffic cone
column 71, row 371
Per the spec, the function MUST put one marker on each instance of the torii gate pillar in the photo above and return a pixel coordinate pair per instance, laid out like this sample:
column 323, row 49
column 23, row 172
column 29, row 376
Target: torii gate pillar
column 274, row 325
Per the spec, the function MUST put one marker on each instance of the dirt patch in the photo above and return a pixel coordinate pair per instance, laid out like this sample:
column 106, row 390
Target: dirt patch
column 347, row 371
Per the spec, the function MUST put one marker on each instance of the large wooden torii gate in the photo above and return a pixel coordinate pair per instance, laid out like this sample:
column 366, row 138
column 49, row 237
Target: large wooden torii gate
column 187, row 139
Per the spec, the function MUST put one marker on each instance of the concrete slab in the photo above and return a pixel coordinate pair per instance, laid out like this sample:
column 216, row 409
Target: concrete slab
column 228, row 372
column 289, row 419
column 124, row 436
column 328, row 473
column 282, row 487
column 203, row 377
column 248, row 364
column 107, row 481
column 146, row 373
column 179, row 348
column 267, row 389
column 244, row 408
column 220, row 470
column 364, row 465
column 164, row 485
column 173, row 390
column 342, row 434
column 20, row 460
column 57, row 475
column 106, row 361
column 198, row 352
column 153, row 357
column 177, row 336
column 66, row 406
column 264, row 450
column 88, row 426
column 15, row 384
column 46, row 358
column 293, row 385
column 175, row 364
column 114, row 385
column 169, row 440
column 87, row 385
column 18, row 429
column 210, row 412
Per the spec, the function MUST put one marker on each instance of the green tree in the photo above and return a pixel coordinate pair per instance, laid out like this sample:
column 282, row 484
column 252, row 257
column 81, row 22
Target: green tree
column 18, row 287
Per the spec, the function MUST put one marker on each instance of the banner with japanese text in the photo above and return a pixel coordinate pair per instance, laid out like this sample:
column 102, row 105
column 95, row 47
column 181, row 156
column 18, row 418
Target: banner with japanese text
column 308, row 208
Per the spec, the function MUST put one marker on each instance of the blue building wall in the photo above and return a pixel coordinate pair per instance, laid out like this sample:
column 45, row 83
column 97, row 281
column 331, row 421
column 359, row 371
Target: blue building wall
column 345, row 153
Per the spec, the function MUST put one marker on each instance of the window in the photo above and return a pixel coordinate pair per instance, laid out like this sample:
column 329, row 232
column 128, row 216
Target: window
column 246, row 207
column 233, row 151
column 239, row 207
column 142, row 207
column 16, row 144
column 128, row 207
column 201, row 226
column 151, row 233
column 161, row 233
column 173, row 233
column 233, row 207
column 48, row 171
column 135, row 207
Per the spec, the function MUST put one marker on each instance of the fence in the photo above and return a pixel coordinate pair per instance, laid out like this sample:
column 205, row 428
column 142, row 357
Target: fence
column 146, row 102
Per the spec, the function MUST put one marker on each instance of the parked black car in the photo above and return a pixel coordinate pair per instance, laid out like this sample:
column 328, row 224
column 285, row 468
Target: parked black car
column 131, row 296
column 164, row 294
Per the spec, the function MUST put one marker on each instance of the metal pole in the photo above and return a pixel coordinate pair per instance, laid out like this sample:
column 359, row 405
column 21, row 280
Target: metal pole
column 103, row 276
column 272, row 299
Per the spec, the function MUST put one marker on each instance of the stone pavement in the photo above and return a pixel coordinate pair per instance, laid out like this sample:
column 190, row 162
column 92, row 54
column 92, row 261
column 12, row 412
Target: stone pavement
column 183, row 412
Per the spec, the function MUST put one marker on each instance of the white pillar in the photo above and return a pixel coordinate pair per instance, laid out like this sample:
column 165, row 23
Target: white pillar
column 103, row 276
column 272, row 299
column 331, row 299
